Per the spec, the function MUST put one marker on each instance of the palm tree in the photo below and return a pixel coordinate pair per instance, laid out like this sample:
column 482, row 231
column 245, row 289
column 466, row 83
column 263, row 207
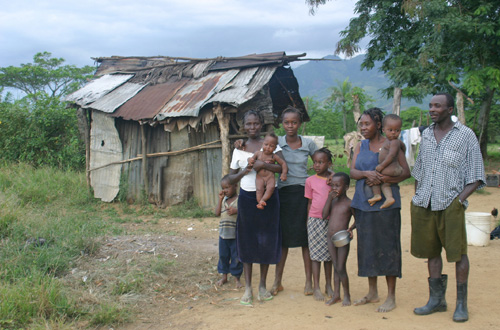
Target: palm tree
column 340, row 95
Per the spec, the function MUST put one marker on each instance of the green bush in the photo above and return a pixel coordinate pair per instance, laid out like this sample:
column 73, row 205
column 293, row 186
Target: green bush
column 40, row 131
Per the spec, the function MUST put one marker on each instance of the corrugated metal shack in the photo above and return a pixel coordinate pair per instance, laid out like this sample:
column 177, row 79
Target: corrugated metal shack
column 163, row 127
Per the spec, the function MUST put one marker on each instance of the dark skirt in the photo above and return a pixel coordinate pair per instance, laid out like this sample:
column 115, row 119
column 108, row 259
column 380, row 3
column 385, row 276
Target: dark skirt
column 379, row 242
column 293, row 216
column 258, row 234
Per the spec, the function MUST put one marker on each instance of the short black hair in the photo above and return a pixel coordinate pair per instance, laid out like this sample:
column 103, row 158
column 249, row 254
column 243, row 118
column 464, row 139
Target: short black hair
column 391, row 116
column 271, row 134
column 225, row 178
column 345, row 178
column 450, row 101
column 253, row 113
column 375, row 114
column 290, row 109
column 326, row 151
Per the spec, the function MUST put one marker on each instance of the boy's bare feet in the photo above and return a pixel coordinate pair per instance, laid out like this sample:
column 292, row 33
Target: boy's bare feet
column 264, row 295
column 387, row 306
column 333, row 300
column 366, row 300
column 388, row 202
column 329, row 291
column 374, row 199
column 222, row 281
column 277, row 287
column 347, row 301
column 318, row 295
column 308, row 290
column 247, row 297
column 238, row 283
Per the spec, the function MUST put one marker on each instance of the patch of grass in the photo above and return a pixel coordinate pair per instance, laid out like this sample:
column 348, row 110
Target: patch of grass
column 110, row 314
column 189, row 209
column 130, row 283
column 161, row 265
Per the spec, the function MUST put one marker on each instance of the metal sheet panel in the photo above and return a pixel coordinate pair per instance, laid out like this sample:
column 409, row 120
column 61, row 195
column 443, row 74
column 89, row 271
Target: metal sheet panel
column 244, row 87
column 189, row 99
column 97, row 89
column 149, row 101
column 111, row 101
column 105, row 148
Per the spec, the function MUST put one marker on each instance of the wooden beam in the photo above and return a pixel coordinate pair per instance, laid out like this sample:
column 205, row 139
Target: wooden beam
column 396, row 105
column 144, row 162
column 223, row 120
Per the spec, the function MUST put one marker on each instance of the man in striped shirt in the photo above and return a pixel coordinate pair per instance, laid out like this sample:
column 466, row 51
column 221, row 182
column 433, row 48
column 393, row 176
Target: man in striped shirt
column 449, row 167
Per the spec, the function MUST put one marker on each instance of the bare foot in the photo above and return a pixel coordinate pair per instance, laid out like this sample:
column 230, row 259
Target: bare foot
column 333, row 300
column 247, row 297
column 387, row 306
column 347, row 301
column 388, row 202
column 318, row 295
column 222, row 281
column 238, row 283
column 264, row 295
column 277, row 287
column 366, row 300
column 308, row 290
column 329, row 291
column 374, row 199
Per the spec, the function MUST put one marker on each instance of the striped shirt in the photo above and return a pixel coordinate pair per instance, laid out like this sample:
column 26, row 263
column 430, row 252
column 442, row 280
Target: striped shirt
column 443, row 170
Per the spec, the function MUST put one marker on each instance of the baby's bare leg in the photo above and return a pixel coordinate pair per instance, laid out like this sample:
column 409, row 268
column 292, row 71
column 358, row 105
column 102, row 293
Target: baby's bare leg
column 376, row 195
column 342, row 254
column 389, row 200
column 269, row 190
column 260, row 187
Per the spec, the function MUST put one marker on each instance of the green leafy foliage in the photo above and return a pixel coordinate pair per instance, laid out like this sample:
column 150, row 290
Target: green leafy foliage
column 40, row 131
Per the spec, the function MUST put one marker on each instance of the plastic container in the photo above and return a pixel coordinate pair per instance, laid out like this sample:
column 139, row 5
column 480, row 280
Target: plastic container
column 477, row 225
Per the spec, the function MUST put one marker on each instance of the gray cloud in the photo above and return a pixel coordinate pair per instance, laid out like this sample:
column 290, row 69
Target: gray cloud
column 77, row 31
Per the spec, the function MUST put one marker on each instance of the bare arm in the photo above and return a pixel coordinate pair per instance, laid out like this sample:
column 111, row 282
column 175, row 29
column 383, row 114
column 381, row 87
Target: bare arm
column 219, row 204
column 275, row 168
column 394, row 148
column 328, row 204
column 284, row 167
column 406, row 171
column 372, row 177
column 235, row 175
column 468, row 190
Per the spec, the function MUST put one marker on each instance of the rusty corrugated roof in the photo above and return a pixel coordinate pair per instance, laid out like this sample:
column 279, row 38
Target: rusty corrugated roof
column 96, row 89
column 176, row 89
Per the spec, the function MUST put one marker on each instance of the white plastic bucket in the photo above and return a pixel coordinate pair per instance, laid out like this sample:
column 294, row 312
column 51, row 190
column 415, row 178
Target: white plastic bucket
column 477, row 225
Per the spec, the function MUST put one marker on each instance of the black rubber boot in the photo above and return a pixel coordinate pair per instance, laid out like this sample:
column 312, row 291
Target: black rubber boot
column 437, row 299
column 461, row 313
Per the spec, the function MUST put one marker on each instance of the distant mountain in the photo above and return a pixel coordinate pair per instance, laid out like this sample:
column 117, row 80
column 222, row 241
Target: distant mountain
column 317, row 77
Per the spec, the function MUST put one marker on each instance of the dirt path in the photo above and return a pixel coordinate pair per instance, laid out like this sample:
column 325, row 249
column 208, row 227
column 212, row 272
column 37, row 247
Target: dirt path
column 292, row 310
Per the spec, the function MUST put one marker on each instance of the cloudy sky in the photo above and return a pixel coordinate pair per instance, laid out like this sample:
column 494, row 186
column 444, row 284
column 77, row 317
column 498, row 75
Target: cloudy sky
column 80, row 30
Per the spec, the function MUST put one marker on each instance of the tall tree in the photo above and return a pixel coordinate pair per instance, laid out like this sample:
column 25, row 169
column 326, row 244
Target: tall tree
column 45, row 75
column 426, row 45
column 340, row 94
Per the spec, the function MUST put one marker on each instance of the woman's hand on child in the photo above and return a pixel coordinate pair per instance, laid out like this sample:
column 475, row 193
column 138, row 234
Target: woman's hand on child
column 258, row 165
column 373, row 178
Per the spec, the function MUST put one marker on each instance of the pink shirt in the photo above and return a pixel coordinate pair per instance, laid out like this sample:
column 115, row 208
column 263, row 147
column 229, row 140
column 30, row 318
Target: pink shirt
column 317, row 190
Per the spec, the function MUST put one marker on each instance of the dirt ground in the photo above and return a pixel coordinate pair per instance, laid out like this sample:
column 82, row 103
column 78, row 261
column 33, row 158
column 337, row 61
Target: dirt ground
column 195, row 242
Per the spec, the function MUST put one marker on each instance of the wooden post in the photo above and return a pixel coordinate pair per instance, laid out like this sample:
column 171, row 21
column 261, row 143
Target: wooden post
column 356, row 111
column 144, row 161
column 224, row 137
column 460, row 108
column 84, row 128
column 396, row 105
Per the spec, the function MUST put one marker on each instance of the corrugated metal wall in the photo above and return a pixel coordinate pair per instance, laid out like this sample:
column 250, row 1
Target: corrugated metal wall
column 173, row 179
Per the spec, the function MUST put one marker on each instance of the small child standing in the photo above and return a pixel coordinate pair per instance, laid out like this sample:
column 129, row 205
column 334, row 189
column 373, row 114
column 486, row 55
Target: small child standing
column 265, row 181
column 227, row 209
column 338, row 208
column 316, row 190
column 388, row 159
